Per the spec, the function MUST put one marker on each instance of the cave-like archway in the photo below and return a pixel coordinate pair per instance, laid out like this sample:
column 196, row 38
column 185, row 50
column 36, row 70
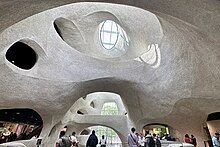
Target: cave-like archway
column 212, row 124
column 111, row 136
column 159, row 129
column 19, row 124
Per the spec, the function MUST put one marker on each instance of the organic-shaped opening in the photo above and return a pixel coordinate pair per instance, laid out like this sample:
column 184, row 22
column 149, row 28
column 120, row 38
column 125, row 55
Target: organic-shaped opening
column 20, row 124
column 212, row 125
column 21, row 55
column 82, row 112
column 85, row 132
column 92, row 104
column 109, row 108
column 79, row 112
column 109, row 134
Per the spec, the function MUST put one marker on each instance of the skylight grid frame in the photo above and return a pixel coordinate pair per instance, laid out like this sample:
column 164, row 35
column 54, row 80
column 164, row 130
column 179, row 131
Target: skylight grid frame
column 103, row 31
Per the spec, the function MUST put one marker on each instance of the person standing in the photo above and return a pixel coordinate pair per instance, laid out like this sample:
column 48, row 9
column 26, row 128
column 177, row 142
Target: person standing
column 141, row 140
column 92, row 140
column 149, row 140
column 73, row 139
column 215, row 140
column 156, row 140
column 103, row 141
column 132, row 138
column 187, row 139
column 64, row 141
column 193, row 140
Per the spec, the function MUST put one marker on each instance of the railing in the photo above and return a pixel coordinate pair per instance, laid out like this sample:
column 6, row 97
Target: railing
column 114, row 145
column 163, row 144
column 175, row 144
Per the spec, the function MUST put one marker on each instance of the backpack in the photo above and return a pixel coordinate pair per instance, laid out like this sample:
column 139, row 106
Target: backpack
column 65, row 142
column 151, row 142
column 158, row 143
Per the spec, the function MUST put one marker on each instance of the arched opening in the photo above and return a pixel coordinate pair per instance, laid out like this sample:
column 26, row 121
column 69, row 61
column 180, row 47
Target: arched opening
column 100, row 103
column 112, row 138
column 82, row 115
column 161, row 130
column 212, row 125
column 85, row 132
column 19, row 124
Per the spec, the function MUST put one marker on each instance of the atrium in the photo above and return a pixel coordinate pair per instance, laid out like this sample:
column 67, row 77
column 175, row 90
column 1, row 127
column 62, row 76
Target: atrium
column 108, row 66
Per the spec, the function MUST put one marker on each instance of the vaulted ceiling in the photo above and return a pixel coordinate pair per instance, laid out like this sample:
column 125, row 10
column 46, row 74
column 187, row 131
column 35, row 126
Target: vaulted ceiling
column 184, row 86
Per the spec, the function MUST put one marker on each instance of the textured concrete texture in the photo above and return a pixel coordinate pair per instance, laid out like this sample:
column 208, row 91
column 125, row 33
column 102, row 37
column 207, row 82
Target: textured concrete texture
column 180, row 92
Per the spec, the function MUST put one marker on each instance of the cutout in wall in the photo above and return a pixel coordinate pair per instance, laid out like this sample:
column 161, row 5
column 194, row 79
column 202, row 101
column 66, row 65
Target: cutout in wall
column 92, row 104
column 69, row 32
column 85, row 132
column 214, row 116
column 110, row 134
column 157, row 128
column 20, row 122
column 109, row 108
column 79, row 112
column 82, row 112
column 57, row 30
column 21, row 55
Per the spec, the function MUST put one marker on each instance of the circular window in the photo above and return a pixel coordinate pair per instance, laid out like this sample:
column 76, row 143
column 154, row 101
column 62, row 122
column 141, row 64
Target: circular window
column 113, row 38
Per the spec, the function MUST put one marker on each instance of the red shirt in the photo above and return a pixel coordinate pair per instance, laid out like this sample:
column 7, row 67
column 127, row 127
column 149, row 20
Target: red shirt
column 187, row 140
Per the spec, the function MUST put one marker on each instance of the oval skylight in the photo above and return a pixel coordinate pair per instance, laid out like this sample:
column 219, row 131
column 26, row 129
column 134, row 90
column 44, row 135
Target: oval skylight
column 113, row 38
column 109, row 33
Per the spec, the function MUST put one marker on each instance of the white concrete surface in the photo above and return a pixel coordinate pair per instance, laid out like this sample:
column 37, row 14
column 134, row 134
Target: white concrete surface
column 180, row 92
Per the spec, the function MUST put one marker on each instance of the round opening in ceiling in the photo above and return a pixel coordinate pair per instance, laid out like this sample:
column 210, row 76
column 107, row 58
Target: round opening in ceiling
column 113, row 38
column 21, row 55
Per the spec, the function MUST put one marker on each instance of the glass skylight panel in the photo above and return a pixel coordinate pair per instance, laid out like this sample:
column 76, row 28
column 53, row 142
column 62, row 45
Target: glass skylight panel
column 113, row 39
column 109, row 34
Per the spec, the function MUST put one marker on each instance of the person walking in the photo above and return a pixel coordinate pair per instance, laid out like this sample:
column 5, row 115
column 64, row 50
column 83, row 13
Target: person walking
column 92, row 140
column 103, row 141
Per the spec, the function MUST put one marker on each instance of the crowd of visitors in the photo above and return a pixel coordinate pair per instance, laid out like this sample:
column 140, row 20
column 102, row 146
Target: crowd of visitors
column 12, row 137
column 143, row 140
column 67, row 141
column 148, row 140
column 191, row 140
column 71, row 141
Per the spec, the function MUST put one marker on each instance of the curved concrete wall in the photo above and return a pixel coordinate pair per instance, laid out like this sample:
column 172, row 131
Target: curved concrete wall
column 180, row 92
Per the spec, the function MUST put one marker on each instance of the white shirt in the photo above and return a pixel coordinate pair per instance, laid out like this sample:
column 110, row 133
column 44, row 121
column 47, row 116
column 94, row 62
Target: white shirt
column 73, row 139
column 102, row 141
